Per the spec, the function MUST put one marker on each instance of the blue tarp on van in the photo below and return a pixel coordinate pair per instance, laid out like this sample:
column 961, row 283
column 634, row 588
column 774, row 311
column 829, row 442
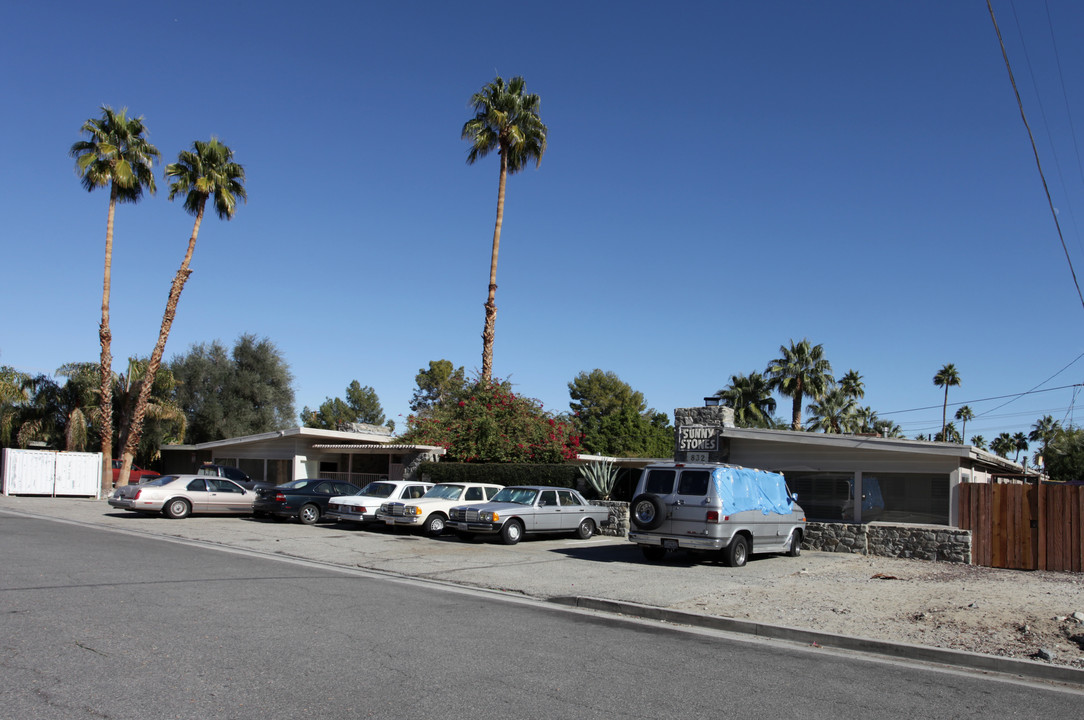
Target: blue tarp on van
column 747, row 489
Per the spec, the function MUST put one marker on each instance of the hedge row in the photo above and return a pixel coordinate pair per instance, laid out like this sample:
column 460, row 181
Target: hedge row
column 565, row 475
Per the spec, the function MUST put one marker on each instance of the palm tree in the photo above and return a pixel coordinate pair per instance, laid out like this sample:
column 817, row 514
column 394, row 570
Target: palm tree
column 506, row 120
column 852, row 385
column 79, row 401
column 949, row 434
column 115, row 153
column 888, row 429
column 751, row 398
column 1043, row 431
column 1019, row 444
column 1002, row 444
column 963, row 414
column 865, row 419
column 833, row 413
column 978, row 441
column 800, row 372
column 207, row 171
column 948, row 376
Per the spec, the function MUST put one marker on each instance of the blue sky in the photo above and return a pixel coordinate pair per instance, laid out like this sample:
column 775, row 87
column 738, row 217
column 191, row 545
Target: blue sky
column 721, row 178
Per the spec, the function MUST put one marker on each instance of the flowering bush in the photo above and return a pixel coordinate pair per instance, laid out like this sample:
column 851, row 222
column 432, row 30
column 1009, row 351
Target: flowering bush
column 490, row 423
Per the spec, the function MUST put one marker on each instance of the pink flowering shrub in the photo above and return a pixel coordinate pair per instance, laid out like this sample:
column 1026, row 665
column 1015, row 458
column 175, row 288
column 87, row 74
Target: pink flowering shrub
column 490, row 423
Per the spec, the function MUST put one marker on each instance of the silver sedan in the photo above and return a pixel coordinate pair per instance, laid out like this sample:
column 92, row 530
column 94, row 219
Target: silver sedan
column 516, row 511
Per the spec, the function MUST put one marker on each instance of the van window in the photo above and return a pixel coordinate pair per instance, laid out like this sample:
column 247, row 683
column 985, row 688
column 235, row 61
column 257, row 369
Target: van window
column 694, row 482
column 660, row 482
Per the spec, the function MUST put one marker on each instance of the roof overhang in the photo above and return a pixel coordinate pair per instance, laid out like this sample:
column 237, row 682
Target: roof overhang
column 294, row 432
column 354, row 449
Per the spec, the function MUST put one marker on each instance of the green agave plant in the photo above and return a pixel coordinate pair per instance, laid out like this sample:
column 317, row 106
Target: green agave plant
column 601, row 475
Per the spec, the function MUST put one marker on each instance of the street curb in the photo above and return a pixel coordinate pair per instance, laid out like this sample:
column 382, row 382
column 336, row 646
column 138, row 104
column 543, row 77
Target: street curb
column 958, row 658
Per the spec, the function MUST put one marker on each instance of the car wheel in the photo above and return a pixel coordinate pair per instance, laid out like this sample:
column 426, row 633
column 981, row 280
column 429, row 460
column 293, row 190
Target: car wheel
column 737, row 552
column 586, row 529
column 794, row 549
column 308, row 514
column 178, row 508
column 654, row 553
column 647, row 511
column 512, row 532
column 434, row 525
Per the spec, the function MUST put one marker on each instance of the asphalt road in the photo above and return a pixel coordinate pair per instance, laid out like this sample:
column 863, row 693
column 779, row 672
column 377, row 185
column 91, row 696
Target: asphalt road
column 99, row 624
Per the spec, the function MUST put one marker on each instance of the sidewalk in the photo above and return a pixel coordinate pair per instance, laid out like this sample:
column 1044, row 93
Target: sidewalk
column 773, row 596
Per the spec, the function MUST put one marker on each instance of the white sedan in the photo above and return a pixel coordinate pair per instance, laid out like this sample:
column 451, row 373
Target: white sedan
column 430, row 511
column 178, row 496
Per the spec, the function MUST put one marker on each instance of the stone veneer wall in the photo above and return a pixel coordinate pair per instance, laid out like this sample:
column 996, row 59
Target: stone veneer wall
column 925, row 542
column 619, row 518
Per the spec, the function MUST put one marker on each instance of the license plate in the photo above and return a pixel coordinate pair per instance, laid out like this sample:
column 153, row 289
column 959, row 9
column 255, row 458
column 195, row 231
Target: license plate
column 669, row 545
column 389, row 521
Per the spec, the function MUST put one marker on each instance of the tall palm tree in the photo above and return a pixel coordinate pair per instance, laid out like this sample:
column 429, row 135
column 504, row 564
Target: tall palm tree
column 978, row 441
column 506, row 120
column 751, row 398
column 949, row 434
column 116, row 153
column 1019, row 444
column 1043, row 431
column 852, row 385
column 800, row 372
column 206, row 172
column 948, row 376
column 833, row 413
column 963, row 414
column 1002, row 444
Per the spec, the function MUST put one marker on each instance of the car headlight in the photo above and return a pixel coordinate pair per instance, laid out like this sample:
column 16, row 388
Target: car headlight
column 489, row 516
column 412, row 510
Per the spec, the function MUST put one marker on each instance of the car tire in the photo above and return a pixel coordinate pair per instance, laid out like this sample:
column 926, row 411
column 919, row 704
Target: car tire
column 434, row 525
column 647, row 511
column 654, row 553
column 586, row 529
column 309, row 514
column 512, row 532
column 794, row 549
column 737, row 552
column 177, row 509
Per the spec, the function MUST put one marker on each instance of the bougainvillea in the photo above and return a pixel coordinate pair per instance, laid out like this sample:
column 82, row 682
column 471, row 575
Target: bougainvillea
column 490, row 423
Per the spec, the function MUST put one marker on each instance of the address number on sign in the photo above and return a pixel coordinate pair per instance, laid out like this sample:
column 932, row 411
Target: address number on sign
column 698, row 457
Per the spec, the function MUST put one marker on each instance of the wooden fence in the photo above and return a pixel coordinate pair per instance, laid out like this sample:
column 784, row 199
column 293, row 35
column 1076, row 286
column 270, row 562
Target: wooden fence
column 1024, row 527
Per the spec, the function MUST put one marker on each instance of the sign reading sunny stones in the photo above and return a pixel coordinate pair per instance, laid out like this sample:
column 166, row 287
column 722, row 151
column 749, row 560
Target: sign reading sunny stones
column 698, row 438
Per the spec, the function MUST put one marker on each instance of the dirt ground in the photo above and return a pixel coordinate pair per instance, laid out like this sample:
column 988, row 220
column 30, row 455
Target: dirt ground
column 998, row 612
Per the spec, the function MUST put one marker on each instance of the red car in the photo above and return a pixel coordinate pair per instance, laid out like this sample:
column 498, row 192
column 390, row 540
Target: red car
column 135, row 476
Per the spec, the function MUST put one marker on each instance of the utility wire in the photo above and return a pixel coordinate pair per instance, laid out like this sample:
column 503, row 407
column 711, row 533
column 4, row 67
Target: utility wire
column 1035, row 150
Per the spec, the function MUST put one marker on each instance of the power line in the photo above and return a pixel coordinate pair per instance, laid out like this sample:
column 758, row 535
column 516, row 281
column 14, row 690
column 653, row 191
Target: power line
column 1014, row 396
column 1035, row 151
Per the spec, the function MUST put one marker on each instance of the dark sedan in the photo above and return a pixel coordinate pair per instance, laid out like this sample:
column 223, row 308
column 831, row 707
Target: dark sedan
column 305, row 500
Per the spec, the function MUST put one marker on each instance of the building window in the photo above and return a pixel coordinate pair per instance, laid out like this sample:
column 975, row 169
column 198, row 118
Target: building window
column 911, row 497
column 825, row 496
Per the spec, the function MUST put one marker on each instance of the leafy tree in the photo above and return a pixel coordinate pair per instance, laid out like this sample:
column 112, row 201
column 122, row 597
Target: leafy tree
column 614, row 419
column 441, row 383
column 206, row 172
column 835, row 412
column 1064, row 455
column 750, row 396
column 506, row 120
column 165, row 422
column 948, row 376
column 224, row 394
column 361, row 406
column 79, row 399
column 490, row 423
column 978, row 441
column 13, row 396
column 963, row 414
column 1003, row 444
column 115, row 152
column 801, row 371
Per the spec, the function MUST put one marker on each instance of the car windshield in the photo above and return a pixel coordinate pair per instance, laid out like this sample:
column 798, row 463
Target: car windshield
column 378, row 489
column 444, row 492
column 519, row 496
column 298, row 484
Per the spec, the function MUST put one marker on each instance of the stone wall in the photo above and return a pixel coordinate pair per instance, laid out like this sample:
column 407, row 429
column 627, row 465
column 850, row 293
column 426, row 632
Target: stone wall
column 619, row 518
column 925, row 542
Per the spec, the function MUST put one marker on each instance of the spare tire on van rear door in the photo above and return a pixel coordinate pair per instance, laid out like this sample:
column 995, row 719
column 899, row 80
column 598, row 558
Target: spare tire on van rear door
column 647, row 511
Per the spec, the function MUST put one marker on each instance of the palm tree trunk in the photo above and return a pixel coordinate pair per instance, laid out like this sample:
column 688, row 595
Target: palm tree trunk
column 944, row 414
column 105, row 337
column 488, row 333
column 796, row 407
column 135, row 429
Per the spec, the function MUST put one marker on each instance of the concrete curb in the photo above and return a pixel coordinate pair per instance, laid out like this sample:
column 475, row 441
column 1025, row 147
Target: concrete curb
column 957, row 658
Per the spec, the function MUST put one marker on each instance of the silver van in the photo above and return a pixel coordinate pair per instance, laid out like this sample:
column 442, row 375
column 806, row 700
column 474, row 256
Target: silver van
column 711, row 507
